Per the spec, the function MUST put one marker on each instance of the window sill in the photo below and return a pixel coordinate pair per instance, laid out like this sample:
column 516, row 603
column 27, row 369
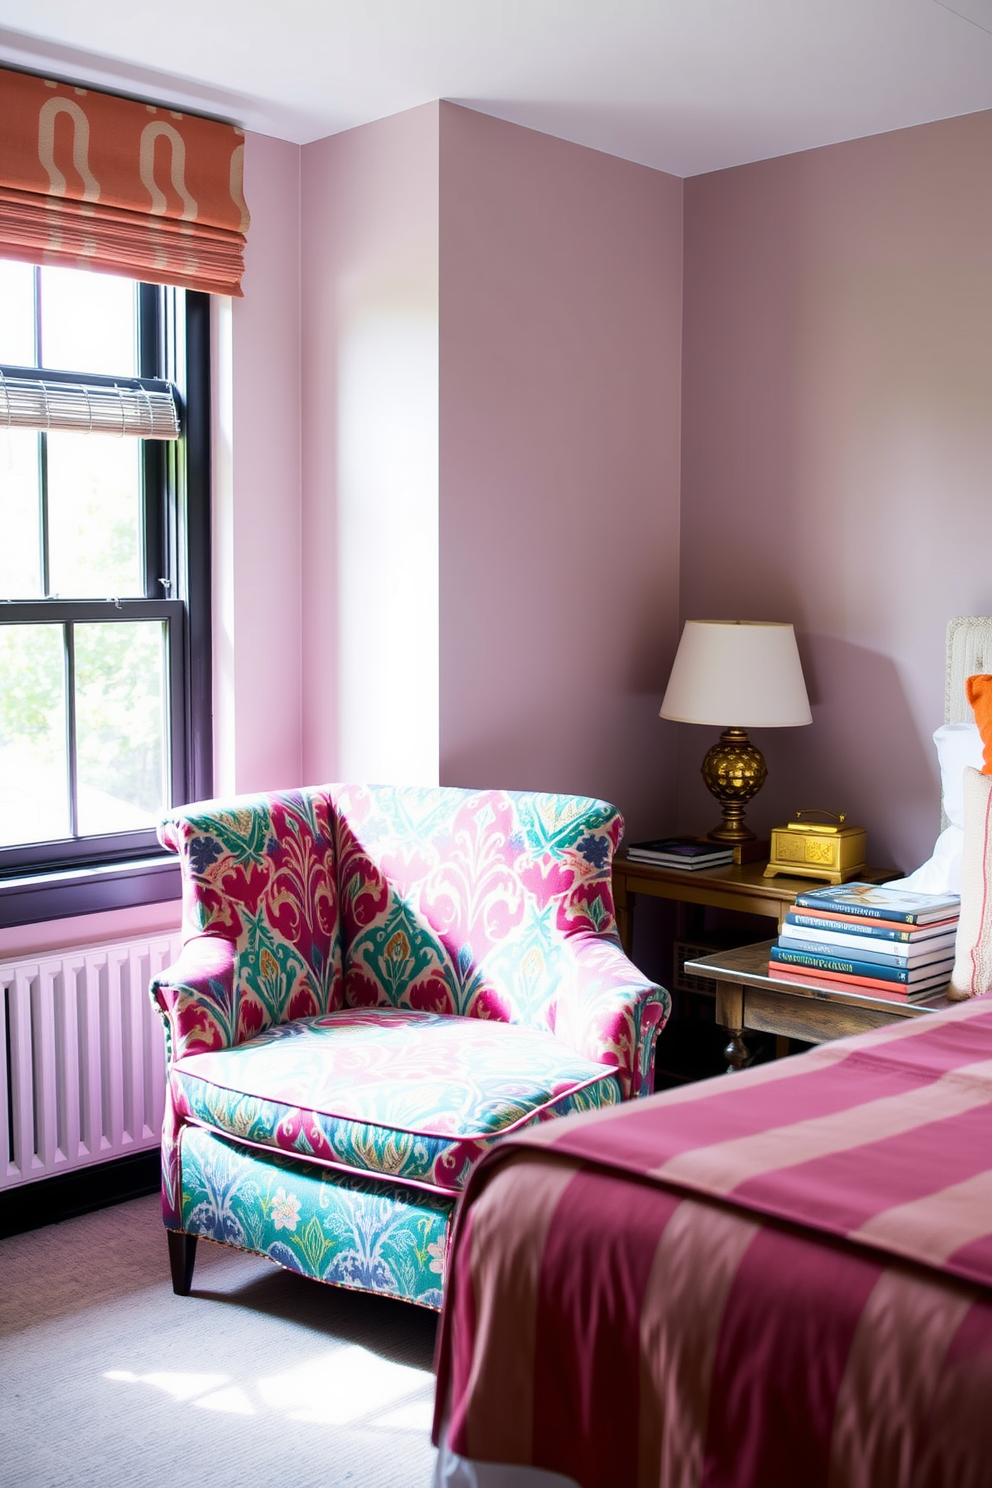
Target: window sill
column 31, row 898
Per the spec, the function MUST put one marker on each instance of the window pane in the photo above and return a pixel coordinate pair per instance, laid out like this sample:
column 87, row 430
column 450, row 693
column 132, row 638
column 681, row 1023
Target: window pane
column 20, row 538
column 121, row 746
column 34, row 805
column 17, row 313
column 94, row 516
column 88, row 322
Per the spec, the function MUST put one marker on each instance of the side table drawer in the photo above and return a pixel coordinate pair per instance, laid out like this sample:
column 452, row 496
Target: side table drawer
column 807, row 1018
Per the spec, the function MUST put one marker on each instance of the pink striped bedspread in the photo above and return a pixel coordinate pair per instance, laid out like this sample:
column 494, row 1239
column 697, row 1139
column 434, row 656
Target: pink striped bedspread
column 779, row 1279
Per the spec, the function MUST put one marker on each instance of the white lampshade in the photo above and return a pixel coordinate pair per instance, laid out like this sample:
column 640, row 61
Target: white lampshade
column 737, row 674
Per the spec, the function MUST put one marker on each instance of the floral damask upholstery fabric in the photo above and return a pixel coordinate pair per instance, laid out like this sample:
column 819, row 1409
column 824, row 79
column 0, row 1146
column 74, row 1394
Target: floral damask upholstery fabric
column 404, row 1094
column 376, row 983
column 360, row 1233
column 488, row 904
column 258, row 874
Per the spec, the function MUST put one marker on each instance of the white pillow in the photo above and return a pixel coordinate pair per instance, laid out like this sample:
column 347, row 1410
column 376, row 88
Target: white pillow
column 959, row 747
column 972, row 973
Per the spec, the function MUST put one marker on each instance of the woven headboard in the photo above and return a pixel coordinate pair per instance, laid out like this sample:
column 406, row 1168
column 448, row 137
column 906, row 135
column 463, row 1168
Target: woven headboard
column 969, row 650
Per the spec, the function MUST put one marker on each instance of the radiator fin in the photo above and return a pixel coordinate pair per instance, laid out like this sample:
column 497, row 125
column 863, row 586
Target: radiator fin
column 83, row 1064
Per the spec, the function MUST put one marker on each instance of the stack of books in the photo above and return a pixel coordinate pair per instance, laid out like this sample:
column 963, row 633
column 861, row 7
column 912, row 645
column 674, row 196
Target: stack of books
column 681, row 852
column 888, row 942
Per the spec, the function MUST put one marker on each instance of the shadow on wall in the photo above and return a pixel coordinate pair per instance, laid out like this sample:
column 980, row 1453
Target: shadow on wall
column 864, row 754
column 616, row 749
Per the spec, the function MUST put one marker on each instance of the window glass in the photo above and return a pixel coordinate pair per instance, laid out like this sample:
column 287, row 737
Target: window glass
column 94, row 516
column 17, row 313
column 34, row 801
column 88, row 322
column 120, row 724
column 20, row 509
column 103, row 593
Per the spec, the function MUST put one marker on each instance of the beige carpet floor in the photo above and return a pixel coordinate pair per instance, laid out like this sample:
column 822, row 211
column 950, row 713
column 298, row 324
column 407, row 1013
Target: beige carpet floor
column 258, row 1379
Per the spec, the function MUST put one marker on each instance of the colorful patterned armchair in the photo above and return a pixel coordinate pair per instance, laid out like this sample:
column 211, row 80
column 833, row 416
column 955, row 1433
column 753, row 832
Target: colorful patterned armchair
column 376, row 983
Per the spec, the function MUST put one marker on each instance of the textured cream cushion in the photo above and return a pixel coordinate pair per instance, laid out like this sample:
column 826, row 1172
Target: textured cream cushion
column 972, row 973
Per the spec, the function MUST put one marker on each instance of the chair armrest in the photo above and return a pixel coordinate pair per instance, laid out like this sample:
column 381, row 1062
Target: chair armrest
column 195, row 998
column 609, row 1011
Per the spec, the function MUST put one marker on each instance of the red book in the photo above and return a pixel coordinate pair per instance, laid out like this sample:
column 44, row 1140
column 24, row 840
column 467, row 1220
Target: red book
column 832, row 981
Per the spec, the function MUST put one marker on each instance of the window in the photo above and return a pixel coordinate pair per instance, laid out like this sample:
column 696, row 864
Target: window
column 104, row 585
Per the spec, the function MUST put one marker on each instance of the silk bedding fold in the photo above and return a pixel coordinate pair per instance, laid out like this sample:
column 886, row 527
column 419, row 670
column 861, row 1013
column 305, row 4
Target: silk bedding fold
column 777, row 1277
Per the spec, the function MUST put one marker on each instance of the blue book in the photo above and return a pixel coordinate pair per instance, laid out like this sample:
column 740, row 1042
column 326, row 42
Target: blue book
column 838, row 965
column 938, row 953
column 799, row 921
column 875, row 902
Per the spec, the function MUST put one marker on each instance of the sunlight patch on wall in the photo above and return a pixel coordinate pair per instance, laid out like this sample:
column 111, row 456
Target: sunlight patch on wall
column 388, row 541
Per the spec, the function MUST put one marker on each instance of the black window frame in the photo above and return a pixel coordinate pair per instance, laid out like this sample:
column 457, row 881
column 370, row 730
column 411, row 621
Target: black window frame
column 79, row 875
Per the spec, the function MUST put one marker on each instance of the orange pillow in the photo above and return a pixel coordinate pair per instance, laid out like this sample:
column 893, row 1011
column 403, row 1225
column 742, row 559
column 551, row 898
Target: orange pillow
column 979, row 694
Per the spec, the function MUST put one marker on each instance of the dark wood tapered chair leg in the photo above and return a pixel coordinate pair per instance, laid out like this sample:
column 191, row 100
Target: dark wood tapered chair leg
column 182, row 1256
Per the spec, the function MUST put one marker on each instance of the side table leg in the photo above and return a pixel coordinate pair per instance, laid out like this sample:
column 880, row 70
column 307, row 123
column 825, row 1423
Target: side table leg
column 737, row 1053
column 730, row 1016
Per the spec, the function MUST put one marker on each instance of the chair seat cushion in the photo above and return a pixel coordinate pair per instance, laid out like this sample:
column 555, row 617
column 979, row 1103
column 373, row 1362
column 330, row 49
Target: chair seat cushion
column 389, row 1091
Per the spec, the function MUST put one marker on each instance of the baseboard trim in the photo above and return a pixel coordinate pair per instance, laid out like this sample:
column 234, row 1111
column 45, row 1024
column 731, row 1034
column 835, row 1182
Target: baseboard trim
column 29, row 1206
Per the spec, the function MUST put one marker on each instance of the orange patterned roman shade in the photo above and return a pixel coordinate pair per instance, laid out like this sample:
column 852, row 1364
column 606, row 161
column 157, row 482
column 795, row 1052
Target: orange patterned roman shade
column 92, row 181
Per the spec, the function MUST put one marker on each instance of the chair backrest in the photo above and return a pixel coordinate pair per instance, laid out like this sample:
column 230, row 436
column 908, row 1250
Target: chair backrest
column 459, row 901
column 259, row 871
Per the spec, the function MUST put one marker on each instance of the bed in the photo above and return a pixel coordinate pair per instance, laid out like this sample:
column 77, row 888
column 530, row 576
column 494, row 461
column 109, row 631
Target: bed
column 775, row 1279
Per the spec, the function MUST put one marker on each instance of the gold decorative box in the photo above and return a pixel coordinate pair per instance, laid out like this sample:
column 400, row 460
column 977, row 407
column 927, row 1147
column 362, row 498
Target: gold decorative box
column 808, row 848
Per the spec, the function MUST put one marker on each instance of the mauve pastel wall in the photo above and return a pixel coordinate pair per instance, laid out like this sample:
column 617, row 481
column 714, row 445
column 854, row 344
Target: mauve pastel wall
column 560, row 275
column 837, row 452
column 369, row 268
column 836, row 444
column 257, row 497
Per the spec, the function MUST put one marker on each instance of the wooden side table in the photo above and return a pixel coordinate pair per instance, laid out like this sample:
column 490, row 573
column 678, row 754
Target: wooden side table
column 747, row 997
column 741, row 888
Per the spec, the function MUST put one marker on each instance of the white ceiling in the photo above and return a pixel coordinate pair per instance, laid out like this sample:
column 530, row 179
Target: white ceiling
column 683, row 85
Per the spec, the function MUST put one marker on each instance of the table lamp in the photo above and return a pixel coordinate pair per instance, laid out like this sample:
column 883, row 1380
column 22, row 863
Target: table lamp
column 736, row 675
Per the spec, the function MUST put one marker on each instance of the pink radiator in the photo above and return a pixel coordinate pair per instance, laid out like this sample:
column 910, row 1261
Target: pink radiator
column 83, row 1066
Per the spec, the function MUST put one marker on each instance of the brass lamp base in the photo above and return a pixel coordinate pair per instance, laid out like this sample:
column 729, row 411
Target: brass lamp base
column 734, row 770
